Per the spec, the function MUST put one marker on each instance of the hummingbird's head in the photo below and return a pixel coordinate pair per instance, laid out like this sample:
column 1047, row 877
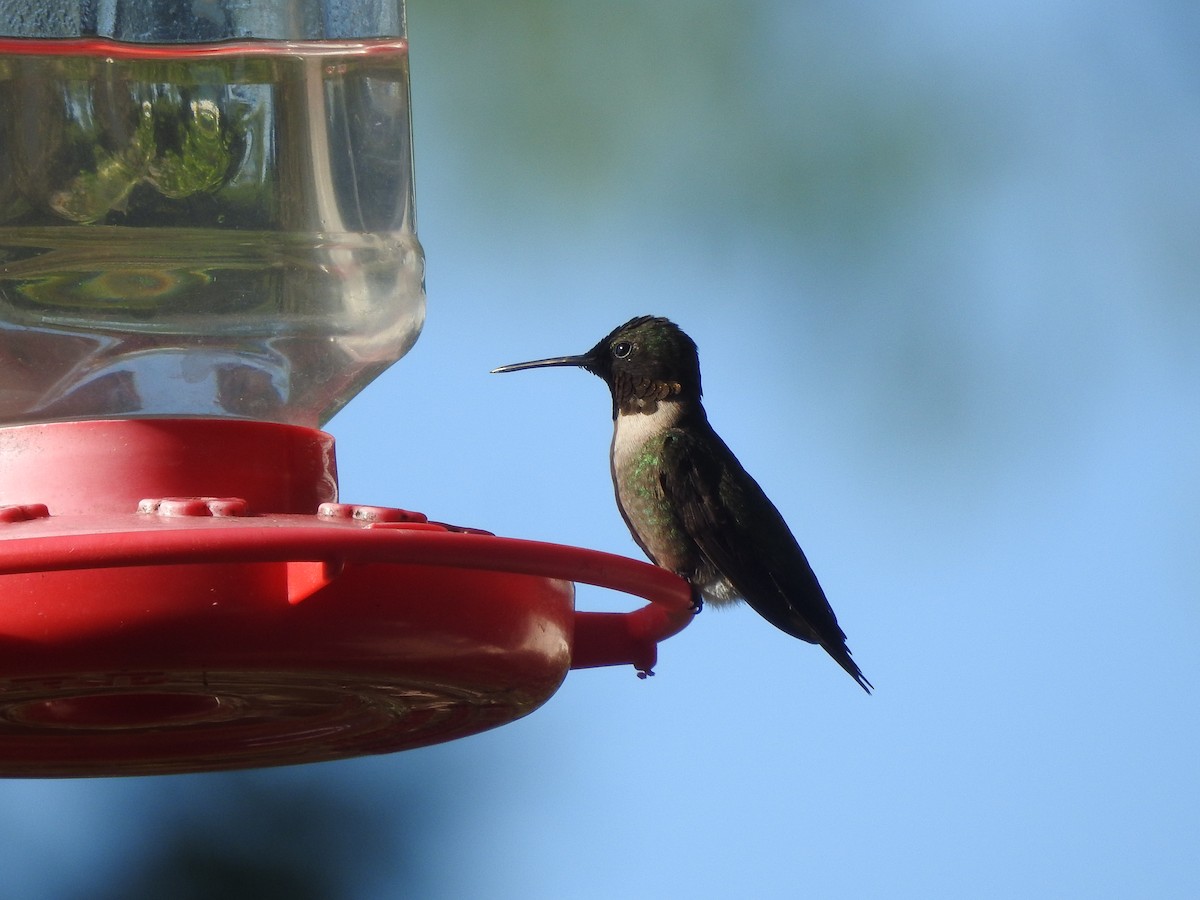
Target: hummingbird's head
column 647, row 360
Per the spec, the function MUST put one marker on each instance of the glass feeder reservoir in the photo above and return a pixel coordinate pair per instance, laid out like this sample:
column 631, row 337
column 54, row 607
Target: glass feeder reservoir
column 221, row 225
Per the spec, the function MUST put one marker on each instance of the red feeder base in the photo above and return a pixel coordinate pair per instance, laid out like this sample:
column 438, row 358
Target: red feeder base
column 185, row 595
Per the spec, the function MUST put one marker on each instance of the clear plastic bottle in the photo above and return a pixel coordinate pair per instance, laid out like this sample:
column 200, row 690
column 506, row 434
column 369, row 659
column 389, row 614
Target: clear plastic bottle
column 208, row 216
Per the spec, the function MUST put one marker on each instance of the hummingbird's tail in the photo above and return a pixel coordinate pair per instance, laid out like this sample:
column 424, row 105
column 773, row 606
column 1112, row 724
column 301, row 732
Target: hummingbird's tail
column 835, row 646
column 841, row 655
column 833, row 643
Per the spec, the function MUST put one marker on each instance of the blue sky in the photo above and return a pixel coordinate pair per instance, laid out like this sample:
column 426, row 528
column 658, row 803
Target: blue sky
column 942, row 268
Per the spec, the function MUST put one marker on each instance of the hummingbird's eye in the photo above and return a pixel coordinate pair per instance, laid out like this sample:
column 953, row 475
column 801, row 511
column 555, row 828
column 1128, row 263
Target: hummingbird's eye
column 622, row 349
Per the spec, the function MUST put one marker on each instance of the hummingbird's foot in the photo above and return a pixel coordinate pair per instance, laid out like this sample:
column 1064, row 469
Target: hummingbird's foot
column 697, row 601
column 645, row 673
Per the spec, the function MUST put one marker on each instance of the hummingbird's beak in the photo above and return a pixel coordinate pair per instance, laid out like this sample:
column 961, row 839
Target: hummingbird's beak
column 544, row 363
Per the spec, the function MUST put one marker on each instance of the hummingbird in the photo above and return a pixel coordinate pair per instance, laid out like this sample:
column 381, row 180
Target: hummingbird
column 686, row 499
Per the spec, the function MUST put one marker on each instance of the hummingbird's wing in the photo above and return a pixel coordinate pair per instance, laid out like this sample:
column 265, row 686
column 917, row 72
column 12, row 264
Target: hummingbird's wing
column 743, row 536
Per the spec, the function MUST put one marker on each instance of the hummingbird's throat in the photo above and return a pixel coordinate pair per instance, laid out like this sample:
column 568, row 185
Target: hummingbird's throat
column 643, row 396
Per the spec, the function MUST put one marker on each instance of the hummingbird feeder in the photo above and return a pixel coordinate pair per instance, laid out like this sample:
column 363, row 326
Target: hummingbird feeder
column 207, row 247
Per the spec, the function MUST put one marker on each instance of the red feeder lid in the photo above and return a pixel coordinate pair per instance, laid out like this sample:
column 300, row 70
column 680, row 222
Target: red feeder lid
column 263, row 623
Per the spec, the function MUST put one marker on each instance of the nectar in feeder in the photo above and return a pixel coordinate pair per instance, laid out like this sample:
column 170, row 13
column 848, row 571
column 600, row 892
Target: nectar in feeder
column 194, row 225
